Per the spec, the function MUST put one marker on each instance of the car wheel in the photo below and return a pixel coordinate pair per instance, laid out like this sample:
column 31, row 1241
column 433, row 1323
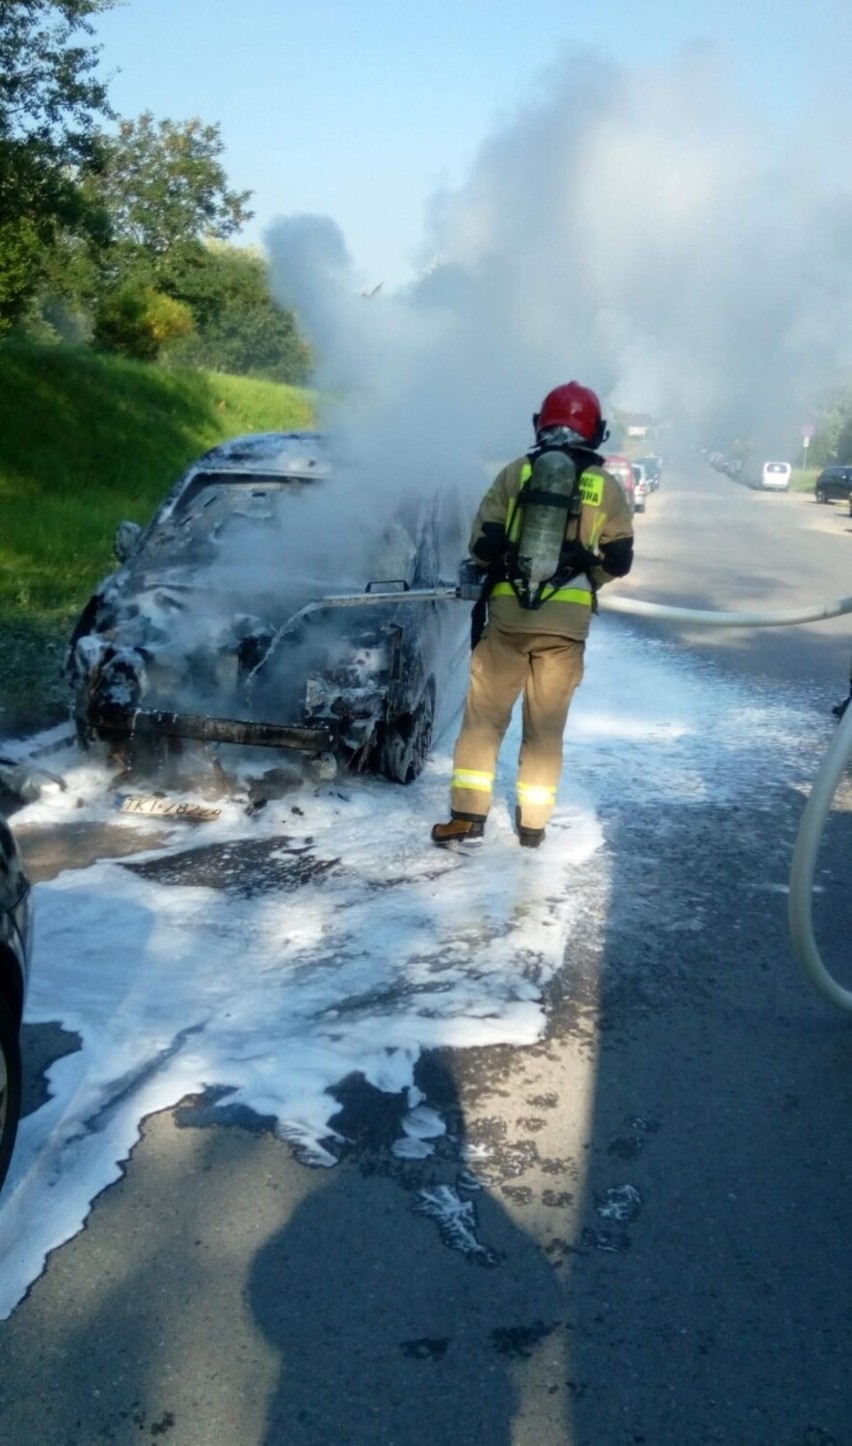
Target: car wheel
column 10, row 1085
column 406, row 741
column 819, row 495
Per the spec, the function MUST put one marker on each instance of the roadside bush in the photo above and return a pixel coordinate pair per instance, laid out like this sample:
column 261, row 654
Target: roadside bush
column 140, row 322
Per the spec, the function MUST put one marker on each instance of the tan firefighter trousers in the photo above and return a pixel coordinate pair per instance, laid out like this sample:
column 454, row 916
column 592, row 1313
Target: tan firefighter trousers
column 547, row 668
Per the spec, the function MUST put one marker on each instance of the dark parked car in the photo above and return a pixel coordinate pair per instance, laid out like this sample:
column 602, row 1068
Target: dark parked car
column 15, row 933
column 834, row 484
column 218, row 628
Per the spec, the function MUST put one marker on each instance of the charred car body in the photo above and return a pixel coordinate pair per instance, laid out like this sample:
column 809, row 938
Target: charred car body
column 218, row 626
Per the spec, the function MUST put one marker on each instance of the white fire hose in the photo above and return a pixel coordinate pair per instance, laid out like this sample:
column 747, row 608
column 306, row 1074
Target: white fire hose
column 825, row 785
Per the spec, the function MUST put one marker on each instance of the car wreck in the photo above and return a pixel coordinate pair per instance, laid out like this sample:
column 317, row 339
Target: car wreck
column 235, row 619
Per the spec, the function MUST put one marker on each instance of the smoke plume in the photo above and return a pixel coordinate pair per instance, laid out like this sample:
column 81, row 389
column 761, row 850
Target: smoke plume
column 633, row 229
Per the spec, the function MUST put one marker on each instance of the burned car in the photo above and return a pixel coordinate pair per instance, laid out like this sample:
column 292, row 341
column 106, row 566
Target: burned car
column 15, row 941
column 266, row 605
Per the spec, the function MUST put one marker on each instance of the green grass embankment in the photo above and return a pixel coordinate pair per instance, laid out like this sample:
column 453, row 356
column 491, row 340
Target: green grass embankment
column 87, row 441
column 803, row 478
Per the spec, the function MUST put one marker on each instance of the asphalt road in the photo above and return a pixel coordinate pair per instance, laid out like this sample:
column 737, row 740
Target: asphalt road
column 710, row 542
column 669, row 1173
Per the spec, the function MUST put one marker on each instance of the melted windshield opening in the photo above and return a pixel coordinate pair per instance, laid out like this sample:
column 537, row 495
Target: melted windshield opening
column 218, row 507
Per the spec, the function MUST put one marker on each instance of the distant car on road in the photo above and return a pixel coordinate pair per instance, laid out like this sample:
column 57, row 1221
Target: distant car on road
column 834, row 484
column 775, row 476
column 641, row 487
column 214, row 629
column 621, row 468
column 15, row 940
column 653, row 469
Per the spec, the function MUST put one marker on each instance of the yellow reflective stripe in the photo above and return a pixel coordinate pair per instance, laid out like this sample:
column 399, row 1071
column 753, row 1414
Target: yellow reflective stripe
column 597, row 529
column 536, row 793
column 469, row 778
column 563, row 594
column 513, row 511
column 579, row 591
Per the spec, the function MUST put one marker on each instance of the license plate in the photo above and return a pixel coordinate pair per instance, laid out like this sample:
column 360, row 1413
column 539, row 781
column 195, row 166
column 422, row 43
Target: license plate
column 154, row 803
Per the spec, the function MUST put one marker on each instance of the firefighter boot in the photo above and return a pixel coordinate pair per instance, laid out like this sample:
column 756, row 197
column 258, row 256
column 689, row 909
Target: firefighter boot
column 529, row 838
column 462, row 828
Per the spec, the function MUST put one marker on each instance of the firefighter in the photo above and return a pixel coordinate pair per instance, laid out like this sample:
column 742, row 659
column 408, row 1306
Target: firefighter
column 553, row 528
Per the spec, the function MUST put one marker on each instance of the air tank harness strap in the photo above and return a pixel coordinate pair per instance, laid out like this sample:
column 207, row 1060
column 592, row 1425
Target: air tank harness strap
column 479, row 613
column 575, row 559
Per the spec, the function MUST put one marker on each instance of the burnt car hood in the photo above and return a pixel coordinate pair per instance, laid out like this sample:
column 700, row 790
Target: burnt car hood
column 160, row 651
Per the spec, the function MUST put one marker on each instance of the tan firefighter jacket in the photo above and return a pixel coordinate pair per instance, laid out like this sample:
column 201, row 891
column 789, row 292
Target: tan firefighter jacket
column 604, row 526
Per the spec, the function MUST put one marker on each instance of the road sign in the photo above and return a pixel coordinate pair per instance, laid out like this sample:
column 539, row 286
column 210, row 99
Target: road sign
column 808, row 431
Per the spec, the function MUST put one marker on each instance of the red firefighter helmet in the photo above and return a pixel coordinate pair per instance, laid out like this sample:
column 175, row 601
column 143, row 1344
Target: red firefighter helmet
column 576, row 407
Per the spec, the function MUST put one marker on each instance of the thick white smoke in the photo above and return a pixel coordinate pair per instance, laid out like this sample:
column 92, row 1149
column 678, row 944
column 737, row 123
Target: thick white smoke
column 633, row 229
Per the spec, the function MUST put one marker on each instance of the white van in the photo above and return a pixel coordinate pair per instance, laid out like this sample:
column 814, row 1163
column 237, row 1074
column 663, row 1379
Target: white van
column 776, row 475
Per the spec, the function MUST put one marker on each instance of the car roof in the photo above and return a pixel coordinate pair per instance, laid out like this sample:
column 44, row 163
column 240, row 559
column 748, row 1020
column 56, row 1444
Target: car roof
column 300, row 455
column 285, row 452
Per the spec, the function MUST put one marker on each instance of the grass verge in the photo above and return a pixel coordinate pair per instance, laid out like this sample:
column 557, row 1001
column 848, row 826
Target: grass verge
column 87, row 441
column 803, row 478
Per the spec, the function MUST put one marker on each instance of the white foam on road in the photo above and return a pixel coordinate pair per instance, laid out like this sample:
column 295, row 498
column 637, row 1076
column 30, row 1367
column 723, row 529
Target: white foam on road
column 389, row 948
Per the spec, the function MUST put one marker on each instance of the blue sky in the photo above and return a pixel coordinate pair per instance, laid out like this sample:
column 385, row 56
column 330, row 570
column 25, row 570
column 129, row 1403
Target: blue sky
column 363, row 112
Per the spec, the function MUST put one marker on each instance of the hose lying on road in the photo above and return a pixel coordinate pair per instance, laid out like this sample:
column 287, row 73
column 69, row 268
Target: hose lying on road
column 664, row 613
column 803, row 867
column 825, row 785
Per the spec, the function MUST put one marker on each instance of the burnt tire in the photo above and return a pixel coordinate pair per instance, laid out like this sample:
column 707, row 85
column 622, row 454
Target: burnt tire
column 406, row 742
column 10, row 1085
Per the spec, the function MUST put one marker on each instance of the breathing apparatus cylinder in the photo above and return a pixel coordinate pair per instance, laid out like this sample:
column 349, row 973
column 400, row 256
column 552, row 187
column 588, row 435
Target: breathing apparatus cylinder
column 544, row 523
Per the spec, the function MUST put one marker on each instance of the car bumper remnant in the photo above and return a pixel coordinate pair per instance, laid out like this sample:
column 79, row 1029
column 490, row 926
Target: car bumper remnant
column 149, row 722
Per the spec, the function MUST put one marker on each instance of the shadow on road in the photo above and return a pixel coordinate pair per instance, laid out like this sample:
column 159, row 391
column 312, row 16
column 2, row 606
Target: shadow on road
column 708, row 1288
column 403, row 1305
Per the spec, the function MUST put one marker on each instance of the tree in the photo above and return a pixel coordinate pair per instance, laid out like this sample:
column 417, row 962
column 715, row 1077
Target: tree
column 51, row 103
column 172, row 211
column 166, row 192
column 239, row 327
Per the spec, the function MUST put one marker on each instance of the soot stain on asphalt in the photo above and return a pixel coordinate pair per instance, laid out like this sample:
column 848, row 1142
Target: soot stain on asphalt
column 246, row 868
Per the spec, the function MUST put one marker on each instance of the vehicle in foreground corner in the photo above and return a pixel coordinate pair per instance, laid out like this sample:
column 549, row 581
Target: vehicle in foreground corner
column 215, row 629
column 15, row 944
